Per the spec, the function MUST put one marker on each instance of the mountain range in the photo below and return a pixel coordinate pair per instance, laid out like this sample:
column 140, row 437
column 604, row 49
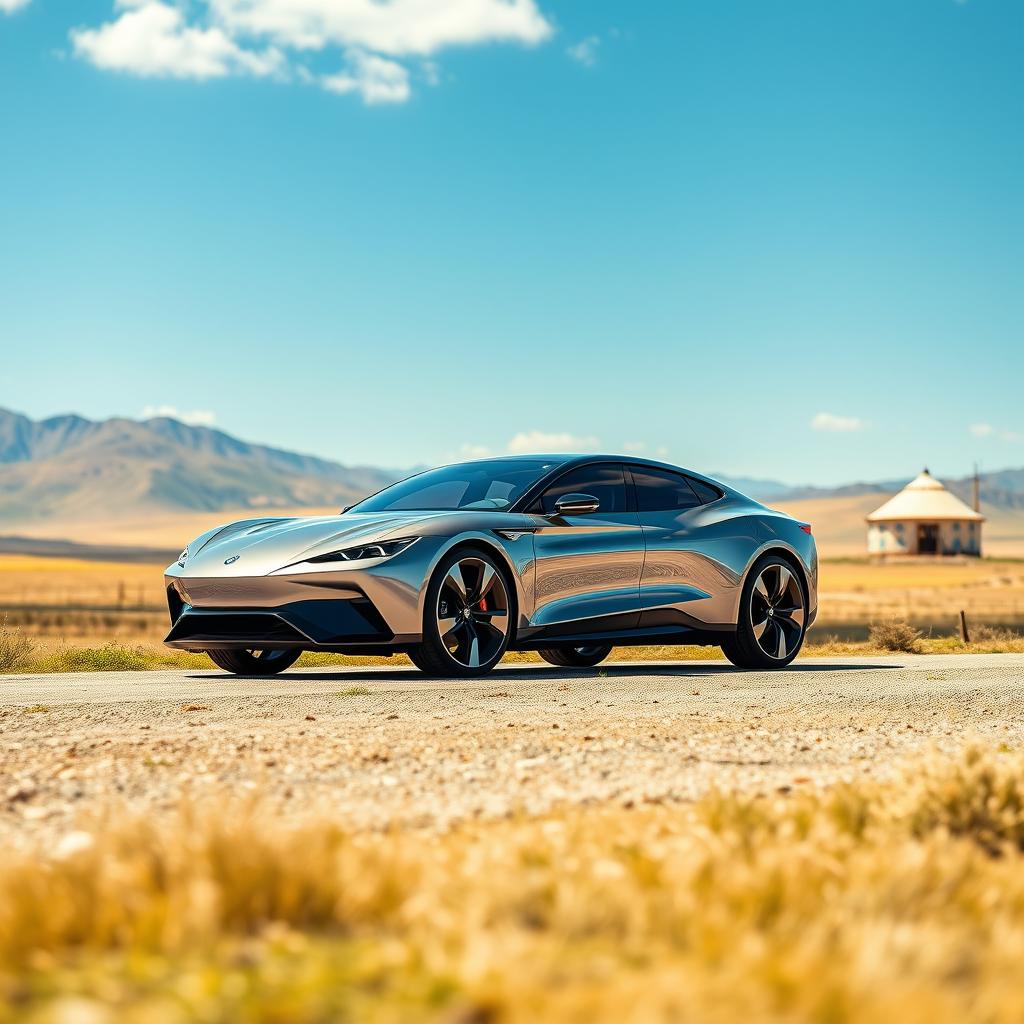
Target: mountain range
column 71, row 469
column 1002, row 489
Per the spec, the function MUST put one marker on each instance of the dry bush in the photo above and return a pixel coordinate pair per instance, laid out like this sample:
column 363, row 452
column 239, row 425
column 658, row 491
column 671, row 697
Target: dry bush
column 15, row 648
column 112, row 657
column 898, row 901
column 896, row 636
column 983, row 634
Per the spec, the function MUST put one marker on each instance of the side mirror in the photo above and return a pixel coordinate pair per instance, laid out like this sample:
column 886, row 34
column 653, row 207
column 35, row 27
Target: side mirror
column 576, row 505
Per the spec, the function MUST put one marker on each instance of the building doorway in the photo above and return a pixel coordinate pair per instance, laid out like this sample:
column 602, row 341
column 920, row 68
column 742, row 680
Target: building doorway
column 927, row 538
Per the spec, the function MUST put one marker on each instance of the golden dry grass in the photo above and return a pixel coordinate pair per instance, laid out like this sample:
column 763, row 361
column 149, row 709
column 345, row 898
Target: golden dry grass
column 24, row 654
column 32, row 580
column 856, row 590
column 60, row 657
column 899, row 900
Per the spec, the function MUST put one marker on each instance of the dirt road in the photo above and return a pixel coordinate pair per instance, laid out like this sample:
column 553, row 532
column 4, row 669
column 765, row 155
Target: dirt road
column 377, row 746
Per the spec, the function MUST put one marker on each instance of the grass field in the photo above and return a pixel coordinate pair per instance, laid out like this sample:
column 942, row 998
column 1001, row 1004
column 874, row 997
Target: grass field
column 855, row 590
column 79, row 583
column 890, row 900
column 22, row 654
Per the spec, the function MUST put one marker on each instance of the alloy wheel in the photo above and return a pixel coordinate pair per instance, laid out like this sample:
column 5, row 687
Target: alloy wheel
column 777, row 611
column 472, row 612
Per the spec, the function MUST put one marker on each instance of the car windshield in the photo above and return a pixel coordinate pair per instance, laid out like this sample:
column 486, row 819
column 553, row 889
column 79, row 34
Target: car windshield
column 492, row 485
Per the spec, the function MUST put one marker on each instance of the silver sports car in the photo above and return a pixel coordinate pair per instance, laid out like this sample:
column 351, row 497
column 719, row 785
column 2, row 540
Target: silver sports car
column 565, row 555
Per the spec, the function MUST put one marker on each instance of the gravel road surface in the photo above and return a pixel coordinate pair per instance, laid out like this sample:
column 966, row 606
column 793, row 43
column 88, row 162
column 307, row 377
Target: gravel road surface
column 376, row 746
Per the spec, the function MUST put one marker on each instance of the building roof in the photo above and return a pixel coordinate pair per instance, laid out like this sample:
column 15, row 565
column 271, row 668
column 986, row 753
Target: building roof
column 924, row 498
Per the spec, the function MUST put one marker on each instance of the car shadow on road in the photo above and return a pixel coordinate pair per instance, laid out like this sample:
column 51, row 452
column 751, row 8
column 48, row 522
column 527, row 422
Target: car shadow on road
column 509, row 672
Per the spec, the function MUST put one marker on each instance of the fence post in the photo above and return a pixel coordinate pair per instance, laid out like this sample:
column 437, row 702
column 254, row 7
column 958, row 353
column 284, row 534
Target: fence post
column 964, row 633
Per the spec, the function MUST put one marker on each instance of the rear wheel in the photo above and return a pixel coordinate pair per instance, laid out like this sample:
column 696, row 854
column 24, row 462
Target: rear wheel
column 581, row 656
column 773, row 617
column 467, row 616
column 257, row 662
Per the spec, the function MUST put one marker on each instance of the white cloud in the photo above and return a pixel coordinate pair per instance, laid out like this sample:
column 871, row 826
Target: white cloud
column 634, row 446
column 376, row 79
column 832, row 423
column 396, row 28
column 207, row 39
column 10, row 6
column 473, row 451
column 585, row 51
column 151, row 38
column 195, row 418
column 431, row 72
column 987, row 430
column 528, row 441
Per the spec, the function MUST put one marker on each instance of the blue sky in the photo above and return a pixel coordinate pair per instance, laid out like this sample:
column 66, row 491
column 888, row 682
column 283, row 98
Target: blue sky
column 782, row 238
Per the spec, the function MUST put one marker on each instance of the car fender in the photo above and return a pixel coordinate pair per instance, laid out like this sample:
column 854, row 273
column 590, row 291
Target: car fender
column 516, row 551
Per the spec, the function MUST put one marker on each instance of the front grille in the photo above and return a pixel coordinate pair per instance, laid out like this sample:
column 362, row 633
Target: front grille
column 255, row 627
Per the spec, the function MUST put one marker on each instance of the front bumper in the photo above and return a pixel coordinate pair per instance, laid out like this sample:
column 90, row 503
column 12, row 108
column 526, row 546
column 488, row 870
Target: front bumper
column 322, row 612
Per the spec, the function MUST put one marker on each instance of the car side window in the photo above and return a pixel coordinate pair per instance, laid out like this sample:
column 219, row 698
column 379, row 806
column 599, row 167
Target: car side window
column 658, row 490
column 705, row 492
column 606, row 483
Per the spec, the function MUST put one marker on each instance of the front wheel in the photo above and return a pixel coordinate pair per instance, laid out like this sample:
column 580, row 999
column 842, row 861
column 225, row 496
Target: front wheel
column 267, row 662
column 772, row 619
column 467, row 616
column 583, row 656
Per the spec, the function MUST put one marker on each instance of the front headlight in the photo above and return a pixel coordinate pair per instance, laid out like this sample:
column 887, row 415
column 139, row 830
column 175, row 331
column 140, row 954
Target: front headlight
column 182, row 557
column 378, row 549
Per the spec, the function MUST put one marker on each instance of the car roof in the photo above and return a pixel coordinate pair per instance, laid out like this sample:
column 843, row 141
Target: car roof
column 580, row 459
column 567, row 460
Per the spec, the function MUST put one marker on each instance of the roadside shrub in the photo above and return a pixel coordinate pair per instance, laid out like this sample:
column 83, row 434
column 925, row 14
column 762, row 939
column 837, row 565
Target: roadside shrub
column 110, row 658
column 896, row 636
column 15, row 648
column 993, row 635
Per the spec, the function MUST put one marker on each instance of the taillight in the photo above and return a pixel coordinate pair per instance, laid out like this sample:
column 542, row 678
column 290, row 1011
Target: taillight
column 806, row 527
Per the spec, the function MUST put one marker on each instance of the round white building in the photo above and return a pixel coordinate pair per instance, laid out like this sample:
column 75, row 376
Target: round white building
column 924, row 519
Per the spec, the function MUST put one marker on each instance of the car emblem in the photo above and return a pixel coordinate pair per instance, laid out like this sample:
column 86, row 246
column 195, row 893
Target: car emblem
column 233, row 558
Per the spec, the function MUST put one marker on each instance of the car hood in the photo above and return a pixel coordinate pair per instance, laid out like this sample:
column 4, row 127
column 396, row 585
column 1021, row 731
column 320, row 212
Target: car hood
column 256, row 547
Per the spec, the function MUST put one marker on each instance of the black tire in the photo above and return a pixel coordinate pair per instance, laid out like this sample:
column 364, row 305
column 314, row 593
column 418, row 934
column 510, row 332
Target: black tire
column 743, row 648
column 255, row 662
column 581, row 656
column 432, row 655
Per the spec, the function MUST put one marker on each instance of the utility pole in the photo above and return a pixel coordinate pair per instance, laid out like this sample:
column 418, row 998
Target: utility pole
column 977, row 489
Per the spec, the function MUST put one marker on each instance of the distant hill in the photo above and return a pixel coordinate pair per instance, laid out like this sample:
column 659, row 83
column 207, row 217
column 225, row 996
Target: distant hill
column 1002, row 489
column 775, row 490
column 755, row 487
column 155, row 482
column 71, row 468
